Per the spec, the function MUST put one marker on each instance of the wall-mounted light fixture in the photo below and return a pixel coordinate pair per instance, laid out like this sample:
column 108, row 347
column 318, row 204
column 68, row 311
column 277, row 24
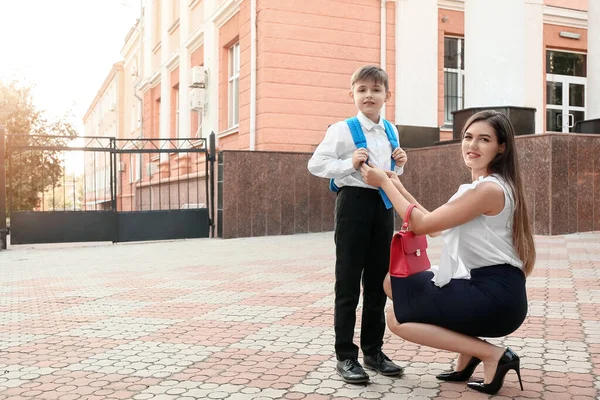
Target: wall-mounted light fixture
column 569, row 35
column 444, row 19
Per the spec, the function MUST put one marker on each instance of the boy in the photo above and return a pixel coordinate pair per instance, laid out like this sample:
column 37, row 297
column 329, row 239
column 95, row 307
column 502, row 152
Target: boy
column 363, row 223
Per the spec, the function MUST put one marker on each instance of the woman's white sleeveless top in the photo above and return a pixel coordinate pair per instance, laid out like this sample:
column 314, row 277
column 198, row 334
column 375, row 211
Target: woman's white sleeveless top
column 481, row 242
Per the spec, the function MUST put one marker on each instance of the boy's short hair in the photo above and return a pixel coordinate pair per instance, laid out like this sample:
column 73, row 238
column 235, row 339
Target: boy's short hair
column 370, row 73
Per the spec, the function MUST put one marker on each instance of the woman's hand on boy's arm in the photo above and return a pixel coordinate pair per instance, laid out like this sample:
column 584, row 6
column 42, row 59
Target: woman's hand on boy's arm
column 399, row 156
column 398, row 184
column 373, row 175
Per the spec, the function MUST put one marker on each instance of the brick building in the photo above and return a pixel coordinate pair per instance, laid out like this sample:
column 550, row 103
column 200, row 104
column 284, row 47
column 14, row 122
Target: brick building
column 271, row 75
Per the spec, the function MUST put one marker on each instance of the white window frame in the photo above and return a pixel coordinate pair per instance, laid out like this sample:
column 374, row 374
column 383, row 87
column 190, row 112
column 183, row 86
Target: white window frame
column 233, row 81
column 567, row 120
column 138, row 167
column 460, row 72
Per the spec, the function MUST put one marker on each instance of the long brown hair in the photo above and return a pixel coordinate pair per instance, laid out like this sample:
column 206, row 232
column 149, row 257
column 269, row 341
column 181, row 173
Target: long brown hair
column 506, row 164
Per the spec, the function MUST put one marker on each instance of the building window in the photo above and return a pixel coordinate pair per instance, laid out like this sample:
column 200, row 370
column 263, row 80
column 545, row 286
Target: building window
column 566, row 83
column 454, row 77
column 135, row 167
column 131, row 168
column 234, row 85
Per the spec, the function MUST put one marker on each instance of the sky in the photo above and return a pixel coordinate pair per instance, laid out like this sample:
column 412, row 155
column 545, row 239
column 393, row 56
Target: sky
column 63, row 48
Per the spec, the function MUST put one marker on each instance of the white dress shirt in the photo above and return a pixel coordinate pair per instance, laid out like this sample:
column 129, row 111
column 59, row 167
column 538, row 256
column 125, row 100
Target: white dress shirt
column 333, row 157
column 481, row 242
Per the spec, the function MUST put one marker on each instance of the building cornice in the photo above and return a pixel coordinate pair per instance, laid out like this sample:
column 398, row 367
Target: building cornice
column 225, row 11
column 145, row 85
column 454, row 5
column 193, row 3
column 131, row 39
column 116, row 68
column 565, row 17
column 196, row 39
column 149, row 83
column 173, row 61
column 155, row 79
column 173, row 27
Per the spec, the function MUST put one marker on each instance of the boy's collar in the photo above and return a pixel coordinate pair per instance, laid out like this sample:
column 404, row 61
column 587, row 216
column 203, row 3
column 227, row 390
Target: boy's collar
column 367, row 123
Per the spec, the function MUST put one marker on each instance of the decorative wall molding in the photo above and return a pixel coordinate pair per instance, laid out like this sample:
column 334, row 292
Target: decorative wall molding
column 225, row 11
column 173, row 61
column 455, row 5
column 196, row 39
column 565, row 17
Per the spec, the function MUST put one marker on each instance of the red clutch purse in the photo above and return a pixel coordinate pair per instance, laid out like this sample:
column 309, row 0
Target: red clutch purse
column 408, row 252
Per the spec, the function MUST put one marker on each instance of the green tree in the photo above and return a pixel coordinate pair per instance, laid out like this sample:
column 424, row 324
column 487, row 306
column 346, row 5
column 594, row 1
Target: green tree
column 30, row 172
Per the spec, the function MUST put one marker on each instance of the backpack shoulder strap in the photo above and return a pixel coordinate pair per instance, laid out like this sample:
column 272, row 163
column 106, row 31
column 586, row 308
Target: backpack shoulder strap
column 358, row 135
column 389, row 130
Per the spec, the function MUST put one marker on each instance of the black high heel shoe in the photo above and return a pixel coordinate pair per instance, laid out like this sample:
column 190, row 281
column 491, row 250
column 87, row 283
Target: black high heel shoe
column 509, row 360
column 460, row 376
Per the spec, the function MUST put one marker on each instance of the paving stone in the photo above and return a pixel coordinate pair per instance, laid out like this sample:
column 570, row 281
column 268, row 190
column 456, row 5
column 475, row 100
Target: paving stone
column 252, row 319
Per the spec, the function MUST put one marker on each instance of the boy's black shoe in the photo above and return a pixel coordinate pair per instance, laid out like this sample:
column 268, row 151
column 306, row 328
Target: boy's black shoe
column 351, row 371
column 382, row 364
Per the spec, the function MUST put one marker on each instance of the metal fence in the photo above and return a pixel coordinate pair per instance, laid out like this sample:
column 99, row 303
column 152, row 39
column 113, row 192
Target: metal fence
column 61, row 188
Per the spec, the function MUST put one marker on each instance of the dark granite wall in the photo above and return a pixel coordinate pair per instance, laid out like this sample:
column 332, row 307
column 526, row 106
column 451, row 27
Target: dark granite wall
column 270, row 193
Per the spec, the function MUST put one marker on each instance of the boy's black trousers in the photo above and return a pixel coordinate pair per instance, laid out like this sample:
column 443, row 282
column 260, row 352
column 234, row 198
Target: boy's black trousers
column 363, row 233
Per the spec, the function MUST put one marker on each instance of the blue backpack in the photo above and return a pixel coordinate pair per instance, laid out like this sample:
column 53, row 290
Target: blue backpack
column 359, row 139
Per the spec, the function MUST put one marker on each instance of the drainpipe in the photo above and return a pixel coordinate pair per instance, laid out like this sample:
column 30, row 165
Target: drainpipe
column 252, row 75
column 382, row 46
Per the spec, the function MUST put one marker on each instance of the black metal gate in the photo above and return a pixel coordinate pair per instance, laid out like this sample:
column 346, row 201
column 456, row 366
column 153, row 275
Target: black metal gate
column 82, row 189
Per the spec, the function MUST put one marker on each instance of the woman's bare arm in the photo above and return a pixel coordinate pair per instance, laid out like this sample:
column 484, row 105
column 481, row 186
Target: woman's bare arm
column 485, row 198
column 411, row 199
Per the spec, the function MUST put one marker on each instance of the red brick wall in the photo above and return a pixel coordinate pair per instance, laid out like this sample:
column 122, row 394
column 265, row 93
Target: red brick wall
column 307, row 52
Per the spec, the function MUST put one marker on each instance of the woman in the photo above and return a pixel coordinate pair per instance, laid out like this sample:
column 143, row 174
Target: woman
column 479, row 287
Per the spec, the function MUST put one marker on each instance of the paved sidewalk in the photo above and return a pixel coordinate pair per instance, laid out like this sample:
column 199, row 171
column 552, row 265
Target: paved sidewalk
column 252, row 319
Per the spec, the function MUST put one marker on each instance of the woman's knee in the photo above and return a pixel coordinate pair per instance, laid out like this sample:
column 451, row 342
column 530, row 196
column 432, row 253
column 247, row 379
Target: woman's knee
column 392, row 322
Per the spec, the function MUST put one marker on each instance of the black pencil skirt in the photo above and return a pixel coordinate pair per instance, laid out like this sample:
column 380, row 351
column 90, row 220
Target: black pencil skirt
column 493, row 303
